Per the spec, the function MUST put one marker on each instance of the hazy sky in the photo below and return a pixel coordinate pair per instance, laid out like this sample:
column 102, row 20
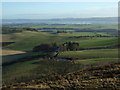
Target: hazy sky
column 48, row 10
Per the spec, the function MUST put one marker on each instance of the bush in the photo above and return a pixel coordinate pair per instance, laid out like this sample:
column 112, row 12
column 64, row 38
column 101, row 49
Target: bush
column 71, row 46
column 42, row 48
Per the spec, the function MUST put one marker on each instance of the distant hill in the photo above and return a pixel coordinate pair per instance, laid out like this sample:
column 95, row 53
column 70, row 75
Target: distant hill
column 97, row 20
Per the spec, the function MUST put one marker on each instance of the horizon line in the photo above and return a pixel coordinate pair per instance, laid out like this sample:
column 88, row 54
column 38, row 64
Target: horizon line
column 69, row 18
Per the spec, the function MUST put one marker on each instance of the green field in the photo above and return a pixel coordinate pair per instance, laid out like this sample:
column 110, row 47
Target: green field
column 89, row 54
column 26, row 66
column 30, row 68
column 25, row 41
column 80, row 26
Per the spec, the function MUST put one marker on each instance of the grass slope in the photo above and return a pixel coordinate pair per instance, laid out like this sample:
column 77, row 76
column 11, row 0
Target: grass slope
column 25, row 41
column 21, row 71
column 90, row 54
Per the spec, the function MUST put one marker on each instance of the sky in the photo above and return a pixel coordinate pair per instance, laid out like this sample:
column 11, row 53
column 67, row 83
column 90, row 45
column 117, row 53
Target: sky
column 60, row 0
column 51, row 10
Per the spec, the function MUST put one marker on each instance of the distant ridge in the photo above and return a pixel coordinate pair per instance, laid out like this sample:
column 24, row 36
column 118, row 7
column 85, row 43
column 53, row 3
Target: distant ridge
column 93, row 20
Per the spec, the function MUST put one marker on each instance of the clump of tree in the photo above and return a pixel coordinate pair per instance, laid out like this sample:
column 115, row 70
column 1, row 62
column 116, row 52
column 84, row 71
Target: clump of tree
column 70, row 46
column 53, row 47
column 30, row 29
column 5, row 31
column 51, row 50
column 61, row 31
column 45, row 47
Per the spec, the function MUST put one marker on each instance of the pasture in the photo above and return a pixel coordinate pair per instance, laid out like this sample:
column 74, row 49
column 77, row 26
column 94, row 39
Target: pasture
column 20, row 64
column 38, row 67
column 25, row 41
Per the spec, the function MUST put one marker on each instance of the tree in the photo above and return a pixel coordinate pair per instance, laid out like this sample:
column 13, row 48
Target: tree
column 52, row 50
column 71, row 46
column 42, row 48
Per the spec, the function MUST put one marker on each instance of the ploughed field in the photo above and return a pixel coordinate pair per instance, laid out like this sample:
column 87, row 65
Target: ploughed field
column 94, row 77
column 94, row 65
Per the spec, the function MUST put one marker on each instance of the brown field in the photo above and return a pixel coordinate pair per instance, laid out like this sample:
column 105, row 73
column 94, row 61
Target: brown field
column 10, row 52
column 106, row 77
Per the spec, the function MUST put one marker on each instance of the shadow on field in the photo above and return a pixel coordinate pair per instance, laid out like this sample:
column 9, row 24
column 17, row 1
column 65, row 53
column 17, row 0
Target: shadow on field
column 14, row 58
column 5, row 43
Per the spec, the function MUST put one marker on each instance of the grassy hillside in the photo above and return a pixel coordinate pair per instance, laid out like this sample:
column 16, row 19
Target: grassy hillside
column 90, row 54
column 25, row 41
column 36, row 67
column 32, row 68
